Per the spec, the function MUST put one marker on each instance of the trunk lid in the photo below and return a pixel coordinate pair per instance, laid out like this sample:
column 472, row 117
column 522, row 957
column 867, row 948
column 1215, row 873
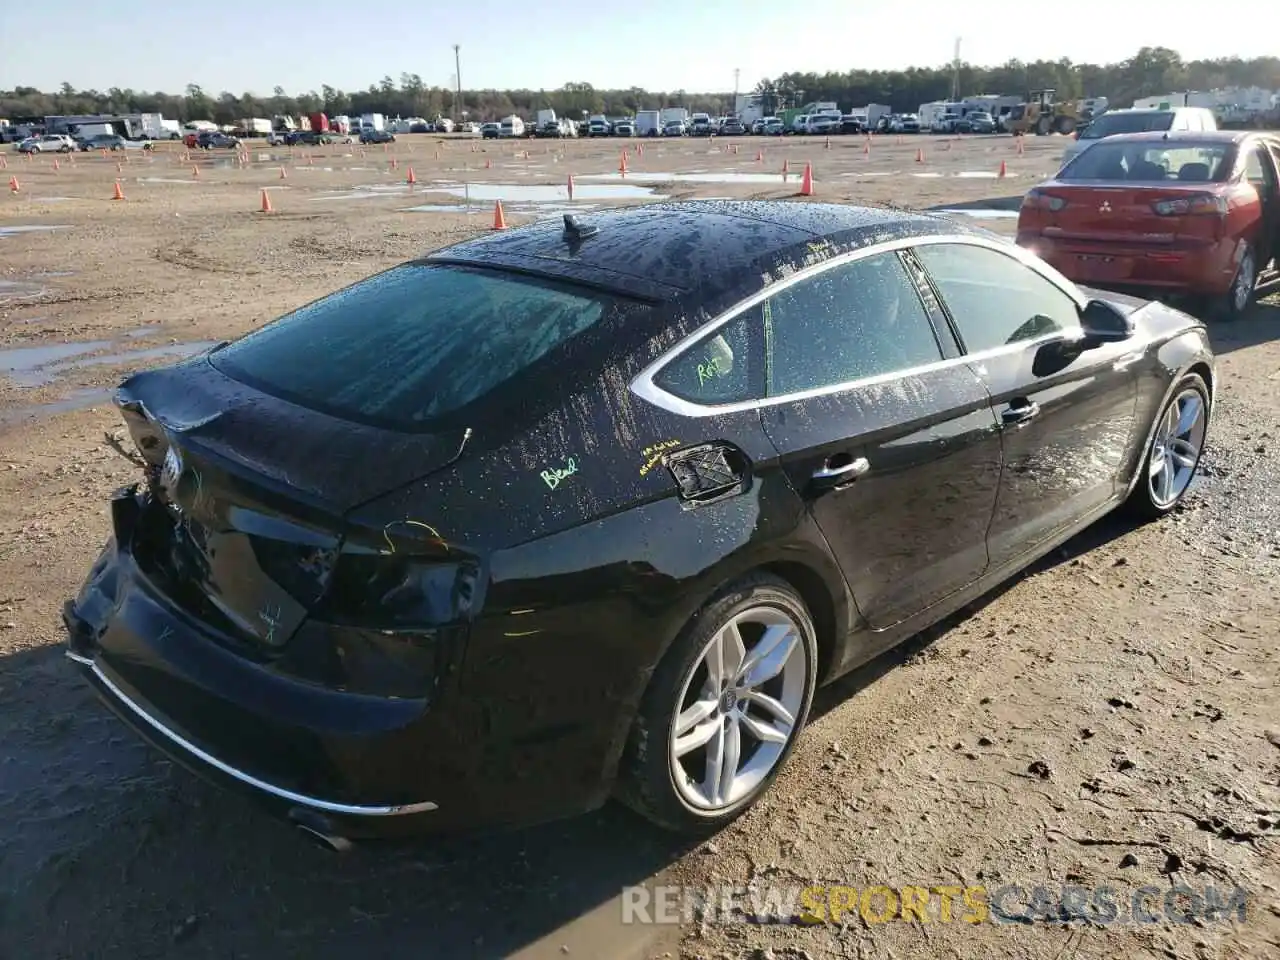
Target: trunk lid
column 1125, row 213
column 255, row 489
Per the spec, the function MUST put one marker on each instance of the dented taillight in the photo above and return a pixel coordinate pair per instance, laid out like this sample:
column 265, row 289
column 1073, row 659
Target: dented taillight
column 1037, row 199
column 1200, row 204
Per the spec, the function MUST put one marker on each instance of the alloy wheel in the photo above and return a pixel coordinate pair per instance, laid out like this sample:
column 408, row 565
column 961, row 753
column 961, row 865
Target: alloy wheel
column 1176, row 448
column 737, row 708
column 1246, row 278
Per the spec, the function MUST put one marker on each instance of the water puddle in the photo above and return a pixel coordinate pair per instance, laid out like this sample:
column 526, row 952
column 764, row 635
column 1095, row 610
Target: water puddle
column 727, row 177
column 537, row 208
column 81, row 399
column 42, row 365
column 7, row 231
column 978, row 213
column 19, row 290
column 23, row 365
column 546, row 193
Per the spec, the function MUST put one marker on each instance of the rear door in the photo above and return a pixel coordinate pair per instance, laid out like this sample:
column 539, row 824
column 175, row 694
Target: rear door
column 1067, row 417
column 884, row 432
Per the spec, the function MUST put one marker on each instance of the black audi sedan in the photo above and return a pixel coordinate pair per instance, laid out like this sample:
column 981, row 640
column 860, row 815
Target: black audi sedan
column 589, row 509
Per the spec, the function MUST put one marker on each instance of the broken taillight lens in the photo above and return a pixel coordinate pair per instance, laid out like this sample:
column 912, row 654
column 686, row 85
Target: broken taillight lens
column 1204, row 204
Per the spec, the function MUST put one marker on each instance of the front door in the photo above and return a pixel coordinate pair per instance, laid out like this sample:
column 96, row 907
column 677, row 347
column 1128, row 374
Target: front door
column 1261, row 170
column 892, row 444
column 1067, row 415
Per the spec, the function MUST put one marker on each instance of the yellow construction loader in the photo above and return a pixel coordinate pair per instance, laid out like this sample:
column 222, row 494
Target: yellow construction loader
column 1042, row 114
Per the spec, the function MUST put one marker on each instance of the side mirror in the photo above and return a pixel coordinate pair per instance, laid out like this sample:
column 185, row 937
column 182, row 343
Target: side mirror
column 1104, row 323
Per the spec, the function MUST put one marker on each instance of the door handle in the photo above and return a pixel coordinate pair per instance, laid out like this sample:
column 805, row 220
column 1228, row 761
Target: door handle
column 830, row 476
column 1021, row 413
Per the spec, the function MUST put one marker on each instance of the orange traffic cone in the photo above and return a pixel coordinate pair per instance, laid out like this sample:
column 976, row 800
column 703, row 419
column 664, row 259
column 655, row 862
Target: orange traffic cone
column 866, row 149
column 4, row 164
column 411, row 179
column 56, row 168
column 1020, row 146
column 195, row 173
column 639, row 149
column 311, row 160
column 13, row 184
column 1004, row 170
column 622, row 164
column 786, row 168
column 827, row 145
column 283, row 174
column 488, row 164
column 759, row 156
column 119, row 192
column 806, row 183
column 571, row 186
column 266, row 201
column 119, row 169
column 499, row 221
column 920, row 155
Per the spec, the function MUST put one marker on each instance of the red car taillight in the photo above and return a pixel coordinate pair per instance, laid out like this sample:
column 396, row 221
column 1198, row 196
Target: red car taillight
column 1200, row 204
column 1039, row 200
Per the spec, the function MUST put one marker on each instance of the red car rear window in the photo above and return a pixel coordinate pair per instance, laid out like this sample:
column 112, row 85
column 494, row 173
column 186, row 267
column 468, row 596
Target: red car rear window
column 1153, row 162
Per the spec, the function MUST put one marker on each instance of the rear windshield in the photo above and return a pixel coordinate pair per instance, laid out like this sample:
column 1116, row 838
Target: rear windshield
column 412, row 345
column 1110, row 124
column 1153, row 162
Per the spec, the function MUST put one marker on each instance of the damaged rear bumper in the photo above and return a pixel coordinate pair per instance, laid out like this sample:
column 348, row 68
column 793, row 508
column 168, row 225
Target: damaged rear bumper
column 331, row 760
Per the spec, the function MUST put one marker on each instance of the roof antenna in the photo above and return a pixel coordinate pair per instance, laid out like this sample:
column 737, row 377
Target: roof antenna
column 574, row 231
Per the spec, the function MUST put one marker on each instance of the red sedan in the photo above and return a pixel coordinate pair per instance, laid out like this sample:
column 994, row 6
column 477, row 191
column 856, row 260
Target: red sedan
column 1195, row 213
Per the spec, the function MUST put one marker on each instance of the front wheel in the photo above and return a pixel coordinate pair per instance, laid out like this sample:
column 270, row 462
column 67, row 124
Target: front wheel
column 1173, row 455
column 723, row 709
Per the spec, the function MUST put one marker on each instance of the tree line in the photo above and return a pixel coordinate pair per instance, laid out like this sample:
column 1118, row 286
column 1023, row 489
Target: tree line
column 1151, row 71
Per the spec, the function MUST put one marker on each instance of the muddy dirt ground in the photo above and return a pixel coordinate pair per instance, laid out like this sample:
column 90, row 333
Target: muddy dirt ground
column 1111, row 718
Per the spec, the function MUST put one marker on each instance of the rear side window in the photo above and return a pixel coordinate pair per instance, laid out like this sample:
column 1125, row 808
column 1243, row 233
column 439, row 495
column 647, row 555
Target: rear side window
column 418, row 342
column 720, row 368
column 858, row 320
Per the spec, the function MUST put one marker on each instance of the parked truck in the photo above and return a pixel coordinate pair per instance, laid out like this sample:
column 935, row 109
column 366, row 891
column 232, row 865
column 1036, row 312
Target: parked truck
column 648, row 123
column 256, row 126
column 372, row 121
column 319, row 122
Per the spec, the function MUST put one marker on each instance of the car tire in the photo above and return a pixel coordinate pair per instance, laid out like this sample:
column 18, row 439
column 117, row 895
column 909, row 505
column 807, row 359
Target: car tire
column 653, row 780
column 1172, row 457
column 1244, row 287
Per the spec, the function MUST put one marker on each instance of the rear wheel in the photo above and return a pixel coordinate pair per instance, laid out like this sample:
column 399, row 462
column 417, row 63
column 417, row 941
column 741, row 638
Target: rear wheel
column 1174, row 453
column 1042, row 127
column 723, row 709
column 1236, row 300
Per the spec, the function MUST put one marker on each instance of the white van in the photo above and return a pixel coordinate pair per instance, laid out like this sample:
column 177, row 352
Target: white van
column 1174, row 120
column 512, row 126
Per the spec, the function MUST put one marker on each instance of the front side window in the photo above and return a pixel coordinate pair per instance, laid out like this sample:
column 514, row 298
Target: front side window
column 995, row 299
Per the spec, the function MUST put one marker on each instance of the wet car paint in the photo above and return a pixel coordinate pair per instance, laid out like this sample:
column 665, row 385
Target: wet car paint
column 552, row 558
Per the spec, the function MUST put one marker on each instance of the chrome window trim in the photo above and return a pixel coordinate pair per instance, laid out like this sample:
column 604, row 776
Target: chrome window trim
column 328, row 806
column 644, row 387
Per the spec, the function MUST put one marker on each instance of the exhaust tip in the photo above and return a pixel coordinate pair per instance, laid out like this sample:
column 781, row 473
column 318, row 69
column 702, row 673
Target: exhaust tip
column 326, row 841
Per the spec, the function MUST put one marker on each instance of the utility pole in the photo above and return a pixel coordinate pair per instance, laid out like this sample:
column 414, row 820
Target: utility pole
column 733, row 110
column 955, row 73
column 457, row 67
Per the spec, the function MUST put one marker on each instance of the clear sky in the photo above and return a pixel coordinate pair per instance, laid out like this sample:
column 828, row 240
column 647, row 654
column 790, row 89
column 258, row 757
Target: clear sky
column 695, row 45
